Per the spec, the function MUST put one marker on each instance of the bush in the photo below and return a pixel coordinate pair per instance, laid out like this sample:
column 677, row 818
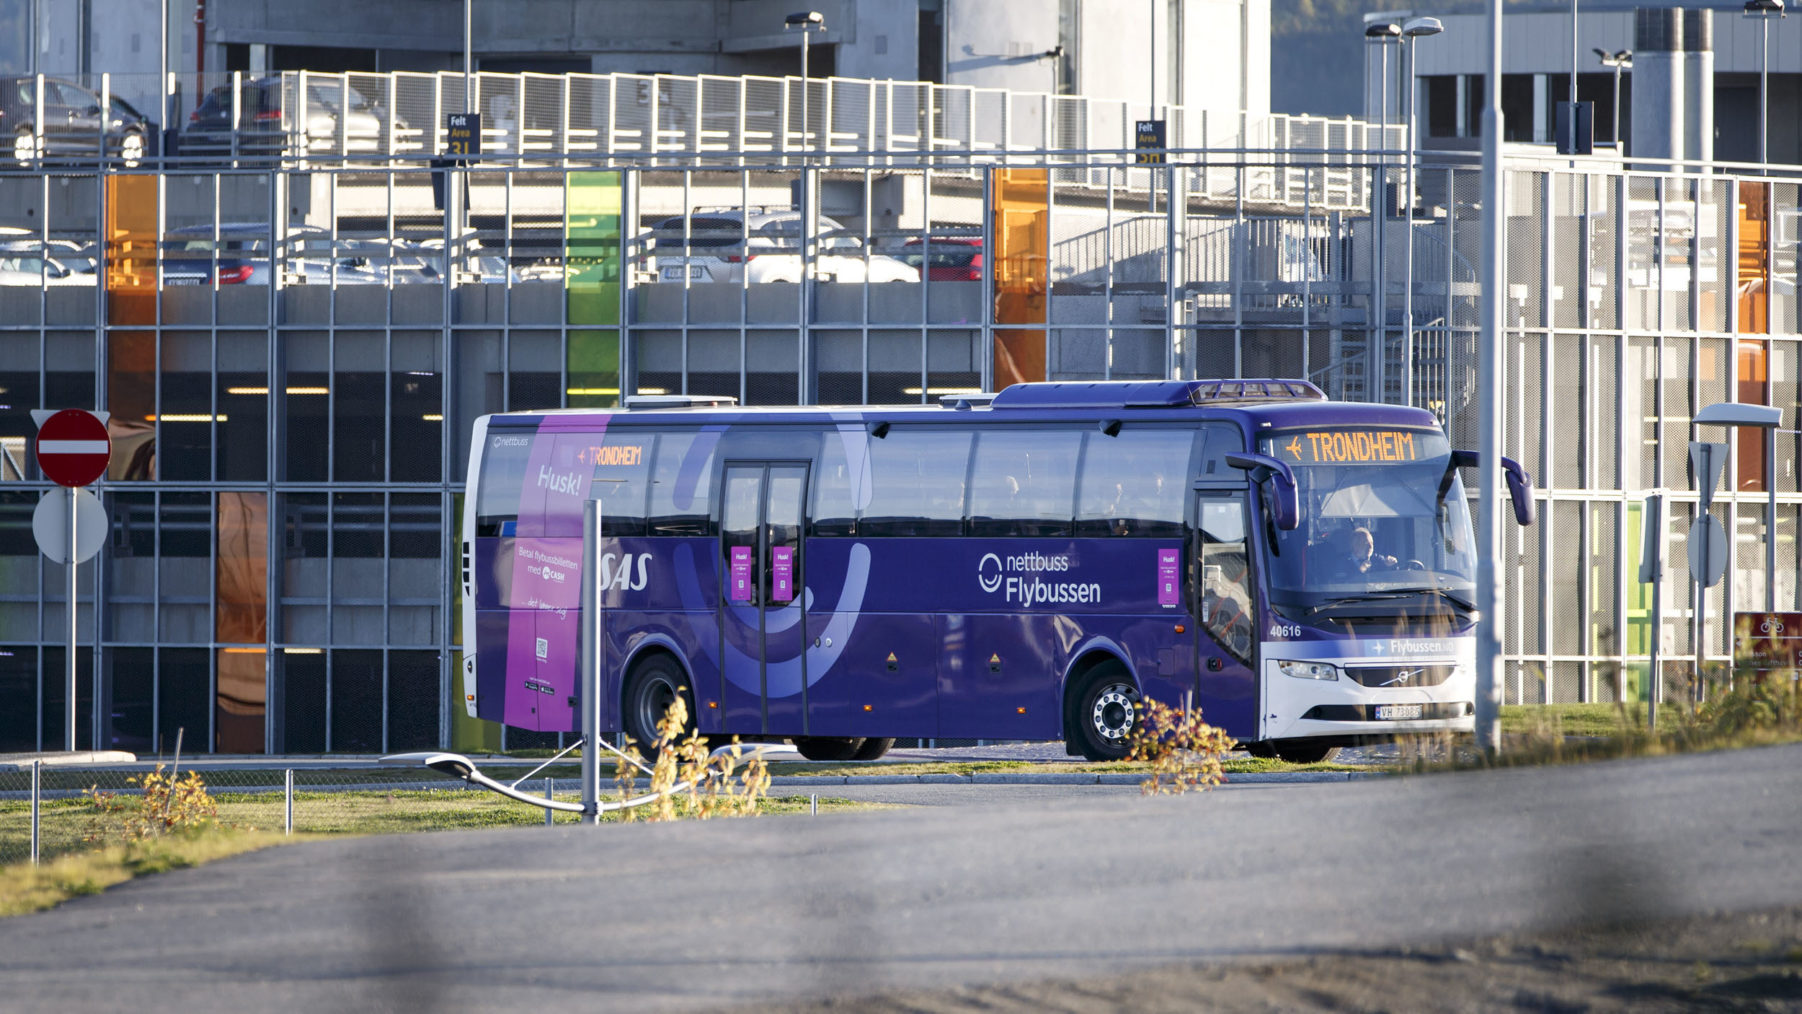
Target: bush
column 711, row 789
column 165, row 805
column 1184, row 752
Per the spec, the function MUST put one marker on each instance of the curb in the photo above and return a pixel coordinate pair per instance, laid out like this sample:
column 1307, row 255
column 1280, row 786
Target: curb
column 1064, row 778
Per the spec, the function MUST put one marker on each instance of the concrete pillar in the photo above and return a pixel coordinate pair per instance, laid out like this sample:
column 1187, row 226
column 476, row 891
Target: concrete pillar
column 1698, row 84
column 1658, row 76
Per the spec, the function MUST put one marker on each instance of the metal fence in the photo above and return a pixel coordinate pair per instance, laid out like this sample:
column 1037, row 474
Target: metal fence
column 303, row 118
column 50, row 810
column 1636, row 295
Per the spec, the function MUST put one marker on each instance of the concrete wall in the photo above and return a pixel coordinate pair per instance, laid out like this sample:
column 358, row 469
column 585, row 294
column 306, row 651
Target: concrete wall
column 886, row 43
column 997, row 45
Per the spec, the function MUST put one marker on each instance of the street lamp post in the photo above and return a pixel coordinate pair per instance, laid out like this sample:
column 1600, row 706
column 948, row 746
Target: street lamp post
column 1412, row 29
column 1764, row 11
column 806, row 23
column 1383, row 33
column 1617, row 61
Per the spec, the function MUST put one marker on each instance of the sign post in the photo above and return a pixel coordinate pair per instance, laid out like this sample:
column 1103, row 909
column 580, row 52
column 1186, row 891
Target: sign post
column 1707, row 543
column 73, row 450
column 1651, row 571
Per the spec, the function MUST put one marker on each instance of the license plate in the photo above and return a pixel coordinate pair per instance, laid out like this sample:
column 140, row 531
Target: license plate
column 674, row 273
column 1395, row 712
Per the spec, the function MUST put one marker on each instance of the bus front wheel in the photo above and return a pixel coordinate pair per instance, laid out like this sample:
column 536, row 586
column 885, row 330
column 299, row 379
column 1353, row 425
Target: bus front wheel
column 1104, row 714
column 873, row 748
column 655, row 684
column 829, row 748
column 1301, row 751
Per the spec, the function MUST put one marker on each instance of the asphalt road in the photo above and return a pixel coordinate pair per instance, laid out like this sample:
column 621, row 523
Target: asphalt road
column 708, row 915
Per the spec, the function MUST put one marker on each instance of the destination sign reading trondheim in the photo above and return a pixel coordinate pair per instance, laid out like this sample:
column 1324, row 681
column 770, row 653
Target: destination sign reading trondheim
column 1346, row 447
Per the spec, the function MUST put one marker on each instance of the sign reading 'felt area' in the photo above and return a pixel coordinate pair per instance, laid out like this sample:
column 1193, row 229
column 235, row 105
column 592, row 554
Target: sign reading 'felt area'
column 73, row 447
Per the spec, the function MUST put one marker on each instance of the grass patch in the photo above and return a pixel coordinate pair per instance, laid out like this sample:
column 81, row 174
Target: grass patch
column 1605, row 719
column 25, row 888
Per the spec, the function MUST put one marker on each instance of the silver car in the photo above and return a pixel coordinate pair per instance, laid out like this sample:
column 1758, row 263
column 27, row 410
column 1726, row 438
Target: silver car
column 764, row 246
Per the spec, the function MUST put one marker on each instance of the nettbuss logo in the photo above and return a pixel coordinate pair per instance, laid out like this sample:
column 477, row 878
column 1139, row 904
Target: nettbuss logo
column 1019, row 580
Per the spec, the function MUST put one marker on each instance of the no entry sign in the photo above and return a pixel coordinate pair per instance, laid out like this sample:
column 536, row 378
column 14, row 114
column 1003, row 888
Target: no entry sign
column 73, row 447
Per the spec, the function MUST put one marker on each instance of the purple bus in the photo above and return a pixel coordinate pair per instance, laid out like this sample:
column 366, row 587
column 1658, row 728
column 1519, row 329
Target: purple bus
column 1027, row 565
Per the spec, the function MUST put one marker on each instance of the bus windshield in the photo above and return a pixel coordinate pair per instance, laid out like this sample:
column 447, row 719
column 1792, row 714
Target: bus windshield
column 1384, row 525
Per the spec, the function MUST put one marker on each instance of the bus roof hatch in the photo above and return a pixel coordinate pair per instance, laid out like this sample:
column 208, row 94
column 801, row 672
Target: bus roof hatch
column 1153, row 393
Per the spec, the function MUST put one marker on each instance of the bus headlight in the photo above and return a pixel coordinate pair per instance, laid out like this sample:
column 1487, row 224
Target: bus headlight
column 1309, row 670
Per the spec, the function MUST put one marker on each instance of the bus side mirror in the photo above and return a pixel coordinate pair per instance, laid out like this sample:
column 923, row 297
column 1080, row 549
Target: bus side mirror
column 1285, row 508
column 1520, row 490
column 1520, row 484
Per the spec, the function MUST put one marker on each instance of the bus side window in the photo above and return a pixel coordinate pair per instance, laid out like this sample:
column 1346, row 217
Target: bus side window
column 1134, row 483
column 682, row 483
column 835, row 505
column 622, row 465
column 1023, row 483
column 500, row 480
column 916, row 483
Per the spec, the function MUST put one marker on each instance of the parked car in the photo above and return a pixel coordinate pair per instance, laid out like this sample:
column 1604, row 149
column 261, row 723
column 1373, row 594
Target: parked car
column 763, row 246
column 946, row 258
column 267, row 125
column 72, row 123
column 27, row 260
column 240, row 256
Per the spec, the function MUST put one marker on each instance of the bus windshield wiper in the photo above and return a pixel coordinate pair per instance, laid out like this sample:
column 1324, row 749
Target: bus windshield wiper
column 1390, row 596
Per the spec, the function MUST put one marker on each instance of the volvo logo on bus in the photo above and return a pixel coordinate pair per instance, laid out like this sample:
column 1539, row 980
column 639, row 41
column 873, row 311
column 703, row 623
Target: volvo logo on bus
column 988, row 573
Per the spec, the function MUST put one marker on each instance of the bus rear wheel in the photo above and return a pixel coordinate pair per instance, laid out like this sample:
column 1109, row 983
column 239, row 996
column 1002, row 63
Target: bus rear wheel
column 1301, row 751
column 829, row 748
column 1103, row 714
column 655, row 684
column 873, row 748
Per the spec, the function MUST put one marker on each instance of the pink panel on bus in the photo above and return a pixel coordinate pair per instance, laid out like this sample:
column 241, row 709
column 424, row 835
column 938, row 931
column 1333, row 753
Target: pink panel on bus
column 782, row 573
column 1168, row 567
column 741, row 574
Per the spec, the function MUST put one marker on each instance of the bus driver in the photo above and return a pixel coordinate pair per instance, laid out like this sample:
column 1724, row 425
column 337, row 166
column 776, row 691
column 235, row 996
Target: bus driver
column 1361, row 556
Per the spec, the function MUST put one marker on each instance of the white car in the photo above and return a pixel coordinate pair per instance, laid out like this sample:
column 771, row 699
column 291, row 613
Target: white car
column 761, row 247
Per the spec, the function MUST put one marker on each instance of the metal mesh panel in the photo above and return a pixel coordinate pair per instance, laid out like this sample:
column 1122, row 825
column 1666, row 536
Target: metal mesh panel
column 1567, row 682
column 1526, row 366
column 1603, row 276
column 1604, row 576
column 1678, row 410
column 1565, row 248
column 1677, row 590
column 412, row 700
column 1606, row 681
column 1638, row 413
column 1789, row 558
column 542, row 118
column 356, row 694
column 1565, row 434
column 1786, row 393
column 1713, row 259
column 1568, row 572
column 1746, row 534
column 1786, row 216
column 1606, row 411
column 1679, row 216
column 1524, row 583
column 678, row 103
column 1640, row 287
column 953, row 361
column 1526, row 248
column 1529, row 684
column 303, row 701
column 633, row 98
column 1714, row 372
column 897, row 363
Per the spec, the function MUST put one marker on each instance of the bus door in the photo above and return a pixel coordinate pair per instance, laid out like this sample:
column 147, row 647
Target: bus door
column 1227, row 612
column 762, row 604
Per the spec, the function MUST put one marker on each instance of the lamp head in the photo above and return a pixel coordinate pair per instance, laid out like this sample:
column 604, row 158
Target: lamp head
column 1382, row 31
column 1414, row 28
column 804, row 21
column 1764, row 8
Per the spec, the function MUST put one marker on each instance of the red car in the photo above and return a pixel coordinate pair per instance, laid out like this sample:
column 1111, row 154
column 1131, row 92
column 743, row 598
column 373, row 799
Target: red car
column 946, row 259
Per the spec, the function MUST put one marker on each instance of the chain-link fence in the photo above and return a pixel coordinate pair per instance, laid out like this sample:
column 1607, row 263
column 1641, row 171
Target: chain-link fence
column 57, row 810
